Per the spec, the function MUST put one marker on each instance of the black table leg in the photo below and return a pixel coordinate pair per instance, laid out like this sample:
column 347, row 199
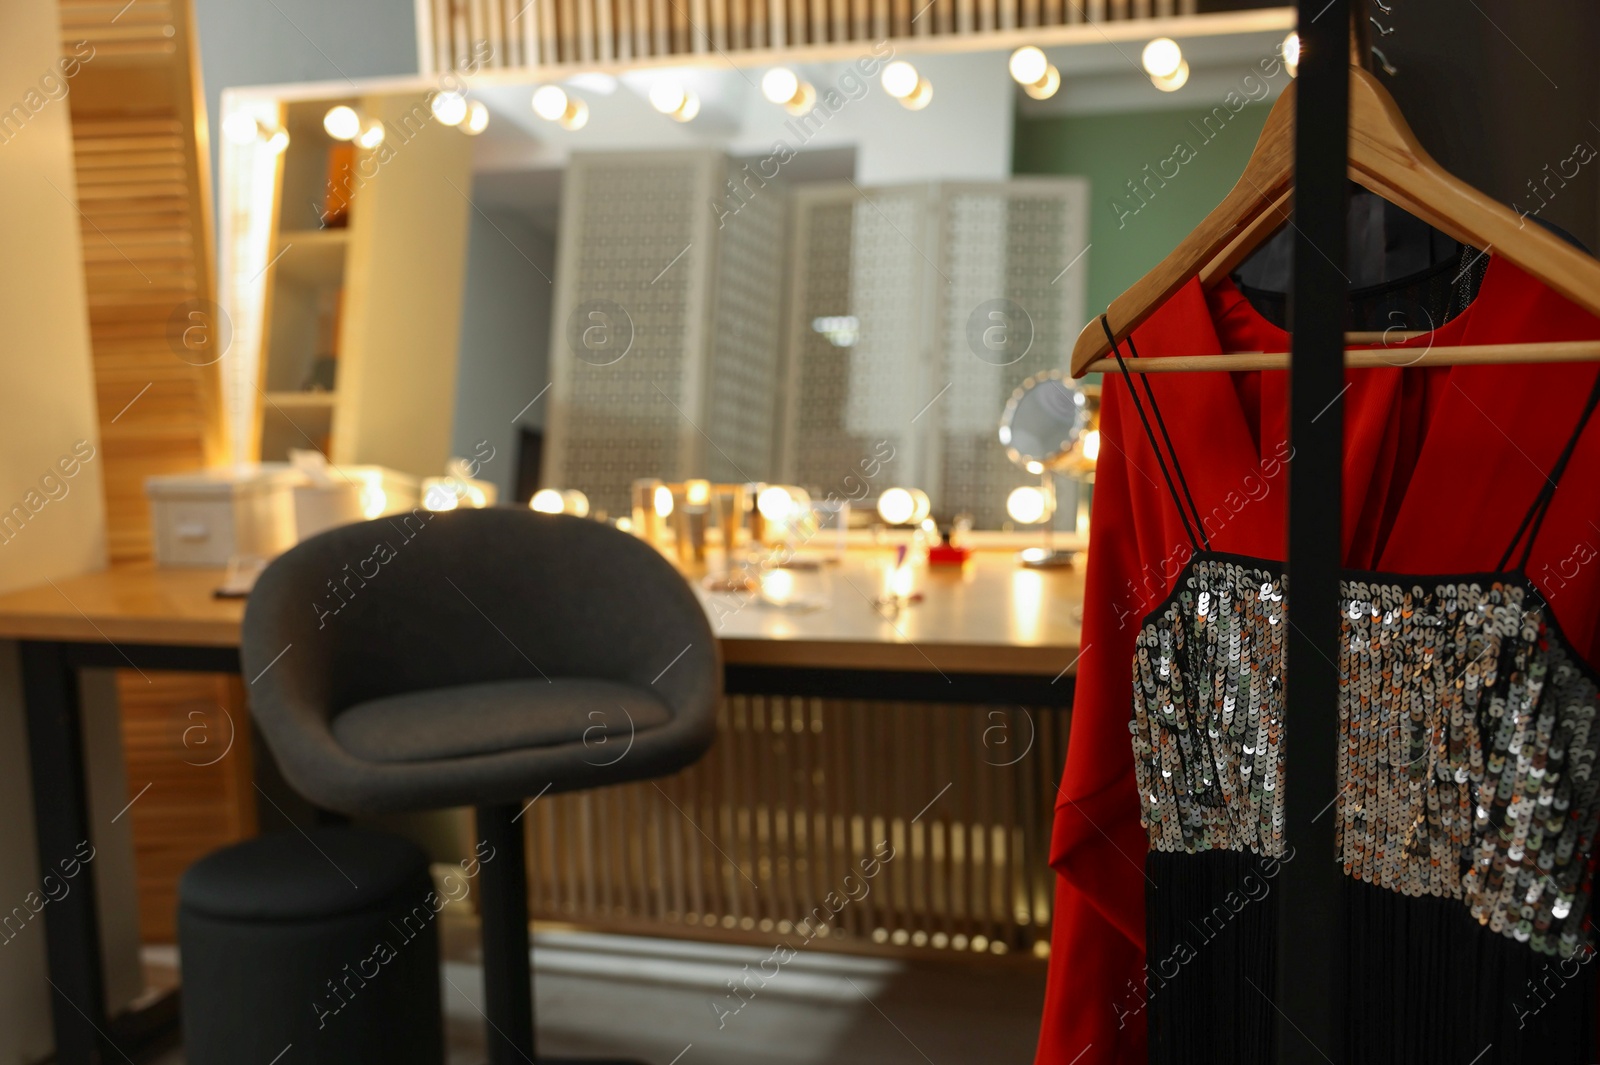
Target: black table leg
column 61, row 820
column 507, row 973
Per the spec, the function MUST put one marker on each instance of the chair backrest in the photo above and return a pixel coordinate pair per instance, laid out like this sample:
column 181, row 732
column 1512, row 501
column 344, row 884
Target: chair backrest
column 430, row 600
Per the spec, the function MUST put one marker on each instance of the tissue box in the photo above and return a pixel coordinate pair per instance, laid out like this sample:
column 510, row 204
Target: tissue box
column 209, row 516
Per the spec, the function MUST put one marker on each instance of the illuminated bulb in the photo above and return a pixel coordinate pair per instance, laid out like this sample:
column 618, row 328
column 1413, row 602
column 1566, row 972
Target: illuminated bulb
column 372, row 134
column 667, row 97
column 897, row 506
column 803, row 101
column 624, row 524
column 921, row 97
column 1026, row 505
column 476, row 496
column 775, row 503
column 550, row 102
column 278, row 141
column 900, row 79
column 547, row 501
column 449, row 107
column 576, row 116
column 576, row 503
column 1162, row 57
column 342, row 123
column 1291, row 53
column 697, row 493
column 440, row 497
column 1175, row 81
column 1046, row 86
column 779, row 85
column 689, row 108
column 663, row 501
column 924, row 506
column 241, row 127
column 1091, row 445
column 477, row 118
column 1028, row 65
column 1034, row 467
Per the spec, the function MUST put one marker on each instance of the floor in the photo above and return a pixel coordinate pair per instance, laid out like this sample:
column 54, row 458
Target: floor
column 667, row 1002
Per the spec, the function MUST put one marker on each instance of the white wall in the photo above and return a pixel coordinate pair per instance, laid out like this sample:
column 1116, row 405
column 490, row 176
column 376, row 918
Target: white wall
column 503, row 363
column 47, row 405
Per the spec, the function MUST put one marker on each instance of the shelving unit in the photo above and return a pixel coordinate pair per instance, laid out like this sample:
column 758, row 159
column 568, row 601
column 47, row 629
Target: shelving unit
column 358, row 348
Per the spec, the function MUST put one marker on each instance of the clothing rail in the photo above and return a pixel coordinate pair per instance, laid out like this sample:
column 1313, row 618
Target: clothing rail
column 1308, row 996
column 1366, row 358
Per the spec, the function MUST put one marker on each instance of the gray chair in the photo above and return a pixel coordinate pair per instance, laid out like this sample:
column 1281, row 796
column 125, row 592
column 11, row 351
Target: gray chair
column 479, row 658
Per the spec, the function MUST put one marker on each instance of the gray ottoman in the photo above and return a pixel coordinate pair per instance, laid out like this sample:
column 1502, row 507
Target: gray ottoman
column 324, row 948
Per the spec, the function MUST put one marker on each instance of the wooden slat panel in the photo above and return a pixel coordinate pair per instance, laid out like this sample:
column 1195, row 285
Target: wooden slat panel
column 795, row 794
column 143, row 191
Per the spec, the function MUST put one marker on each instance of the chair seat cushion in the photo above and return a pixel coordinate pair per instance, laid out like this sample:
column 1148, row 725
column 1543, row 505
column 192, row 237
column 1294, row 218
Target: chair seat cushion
column 303, row 876
column 506, row 715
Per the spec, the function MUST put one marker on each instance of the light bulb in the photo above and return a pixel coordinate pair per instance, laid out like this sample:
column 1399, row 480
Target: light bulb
column 278, row 141
column 477, row 118
column 1174, row 81
column 1046, row 86
column 779, row 85
column 775, row 503
column 476, row 496
column 576, row 116
column 1026, row 505
column 440, row 496
column 697, row 493
column 547, row 501
column 921, row 97
column 1028, row 65
column 900, row 79
column 342, row 123
column 1091, row 445
column 804, row 99
column 1291, row 53
column 897, row 506
column 550, row 102
column 1161, row 57
column 241, row 127
column 689, row 108
column 667, row 97
column 663, row 501
column 372, row 134
column 449, row 107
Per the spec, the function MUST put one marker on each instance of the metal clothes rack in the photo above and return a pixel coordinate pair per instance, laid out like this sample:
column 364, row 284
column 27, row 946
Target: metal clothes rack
column 1310, row 933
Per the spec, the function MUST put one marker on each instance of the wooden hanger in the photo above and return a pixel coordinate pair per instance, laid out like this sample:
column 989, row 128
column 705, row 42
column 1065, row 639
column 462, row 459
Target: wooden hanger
column 1386, row 158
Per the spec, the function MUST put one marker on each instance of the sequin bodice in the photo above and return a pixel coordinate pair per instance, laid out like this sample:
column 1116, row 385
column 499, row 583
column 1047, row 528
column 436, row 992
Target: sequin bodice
column 1467, row 737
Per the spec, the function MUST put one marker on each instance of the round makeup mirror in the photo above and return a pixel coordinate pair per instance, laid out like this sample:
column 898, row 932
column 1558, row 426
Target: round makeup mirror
column 1040, row 428
column 1043, row 420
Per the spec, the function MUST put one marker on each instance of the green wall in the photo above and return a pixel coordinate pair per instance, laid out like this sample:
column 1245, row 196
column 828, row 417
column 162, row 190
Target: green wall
column 1192, row 165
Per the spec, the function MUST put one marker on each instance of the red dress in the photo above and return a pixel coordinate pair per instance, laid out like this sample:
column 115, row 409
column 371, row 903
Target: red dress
column 1440, row 465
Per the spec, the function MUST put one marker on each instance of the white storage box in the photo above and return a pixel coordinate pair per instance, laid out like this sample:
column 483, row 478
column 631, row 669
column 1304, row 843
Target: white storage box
column 207, row 517
column 350, row 493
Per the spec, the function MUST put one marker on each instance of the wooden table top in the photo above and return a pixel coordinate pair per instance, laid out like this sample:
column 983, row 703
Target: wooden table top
column 990, row 616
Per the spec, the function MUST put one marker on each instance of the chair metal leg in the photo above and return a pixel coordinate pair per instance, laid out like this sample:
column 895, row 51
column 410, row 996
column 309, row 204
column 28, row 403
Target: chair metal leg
column 507, row 972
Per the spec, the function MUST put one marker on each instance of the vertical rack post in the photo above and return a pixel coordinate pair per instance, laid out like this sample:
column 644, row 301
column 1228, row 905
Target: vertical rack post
column 1311, row 943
